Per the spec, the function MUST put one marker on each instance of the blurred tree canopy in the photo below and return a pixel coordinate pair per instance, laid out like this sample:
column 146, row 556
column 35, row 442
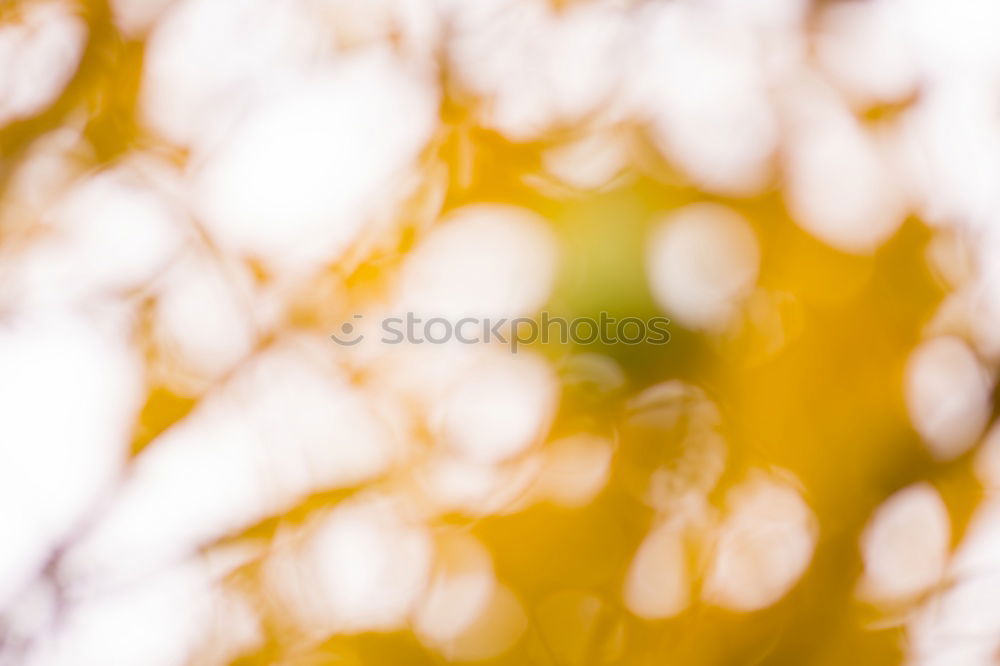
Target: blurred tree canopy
column 808, row 385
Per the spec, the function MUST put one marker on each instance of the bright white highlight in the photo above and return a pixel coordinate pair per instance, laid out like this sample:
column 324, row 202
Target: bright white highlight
column 499, row 409
column 484, row 261
column 905, row 547
column 763, row 546
column 702, row 262
column 658, row 583
column 947, row 394
column 37, row 58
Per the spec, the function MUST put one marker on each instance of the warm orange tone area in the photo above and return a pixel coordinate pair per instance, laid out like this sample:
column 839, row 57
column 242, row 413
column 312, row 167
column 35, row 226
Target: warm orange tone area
column 217, row 217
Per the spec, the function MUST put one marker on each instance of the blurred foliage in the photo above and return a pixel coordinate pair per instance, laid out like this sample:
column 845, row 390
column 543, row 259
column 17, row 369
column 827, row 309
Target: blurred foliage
column 826, row 404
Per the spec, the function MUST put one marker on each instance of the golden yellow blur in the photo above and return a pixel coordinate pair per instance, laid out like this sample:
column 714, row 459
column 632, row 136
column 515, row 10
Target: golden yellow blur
column 196, row 194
